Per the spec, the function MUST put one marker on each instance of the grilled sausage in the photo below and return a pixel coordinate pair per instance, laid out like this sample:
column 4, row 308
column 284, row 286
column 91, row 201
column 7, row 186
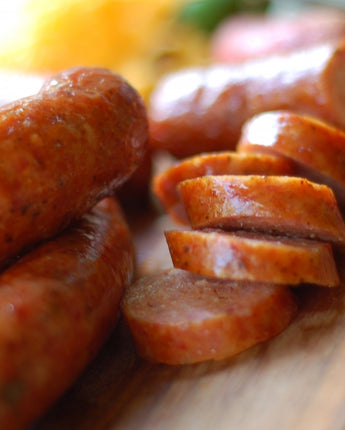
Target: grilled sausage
column 164, row 184
column 64, row 149
column 178, row 317
column 58, row 304
column 203, row 109
column 282, row 205
column 253, row 257
column 244, row 37
column 317, row 148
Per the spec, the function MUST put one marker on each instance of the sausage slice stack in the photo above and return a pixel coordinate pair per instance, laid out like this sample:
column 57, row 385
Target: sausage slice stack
column 247, row 229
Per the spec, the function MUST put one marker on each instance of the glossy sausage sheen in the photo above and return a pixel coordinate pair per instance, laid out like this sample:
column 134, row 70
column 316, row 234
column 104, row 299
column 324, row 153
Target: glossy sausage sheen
column 58, row 305
column 316, row 148
column 64, row 149
column 282, row 205
column 178, row 317
column 203, row 109
column 253, row 257
column 164, row 184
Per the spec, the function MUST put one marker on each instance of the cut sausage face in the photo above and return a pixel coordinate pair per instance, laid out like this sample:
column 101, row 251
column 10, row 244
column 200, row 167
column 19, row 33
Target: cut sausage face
column 273, row 204
column 317, row 148
column 253, row 257
column 219, row 163
column 178, row 317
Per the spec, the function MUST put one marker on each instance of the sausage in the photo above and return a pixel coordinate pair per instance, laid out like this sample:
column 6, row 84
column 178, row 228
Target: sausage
column 164, row 184
column 64, row 149
column 58, row 305
column 316, row 148
column 283, row 205
column 203, row 109
column 178, row 317
column 243, row 37
column 253, row 257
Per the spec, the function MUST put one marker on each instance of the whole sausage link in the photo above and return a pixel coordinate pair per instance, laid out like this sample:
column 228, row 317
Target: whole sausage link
column 64, row 149
column 211, row 104
column 58, row 305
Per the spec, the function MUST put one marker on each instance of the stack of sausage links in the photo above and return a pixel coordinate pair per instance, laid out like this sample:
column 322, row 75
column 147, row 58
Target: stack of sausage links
column 66, row 251
column 261, row 217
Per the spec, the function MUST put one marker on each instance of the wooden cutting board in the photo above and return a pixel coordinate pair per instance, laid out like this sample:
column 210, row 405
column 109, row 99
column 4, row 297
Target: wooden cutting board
column 294, row 382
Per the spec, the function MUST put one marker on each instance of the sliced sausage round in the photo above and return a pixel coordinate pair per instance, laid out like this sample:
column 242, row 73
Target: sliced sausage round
column 253, row 257
column 317, row 148
column 284, row 205
column 164, row 184
column 178, row 317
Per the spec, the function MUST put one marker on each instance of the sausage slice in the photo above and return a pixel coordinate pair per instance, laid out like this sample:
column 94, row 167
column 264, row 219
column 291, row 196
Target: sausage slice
column 317, row 148
column 283, row 205
column 253, row 257
column 165, row 184
column 58, row 305
column 178, row 317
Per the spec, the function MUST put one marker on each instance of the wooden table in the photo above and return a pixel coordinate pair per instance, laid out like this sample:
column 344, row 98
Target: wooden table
column 295, row 381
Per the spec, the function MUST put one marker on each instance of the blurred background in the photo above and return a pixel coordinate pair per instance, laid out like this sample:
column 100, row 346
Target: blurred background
column 140, row 39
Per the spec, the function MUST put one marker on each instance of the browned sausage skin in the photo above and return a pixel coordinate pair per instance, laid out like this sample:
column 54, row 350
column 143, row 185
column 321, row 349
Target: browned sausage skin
column 203, row 109
column 57, row 306
column 64, row 149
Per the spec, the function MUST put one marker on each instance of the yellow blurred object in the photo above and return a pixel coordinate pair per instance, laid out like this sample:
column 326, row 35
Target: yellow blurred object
column 136, row 38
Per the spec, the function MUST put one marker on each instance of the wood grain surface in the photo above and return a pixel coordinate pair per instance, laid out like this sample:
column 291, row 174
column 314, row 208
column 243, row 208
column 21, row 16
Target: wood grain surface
column 295, row 381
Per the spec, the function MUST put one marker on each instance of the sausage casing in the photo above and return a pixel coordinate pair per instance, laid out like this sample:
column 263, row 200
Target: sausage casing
column 57, row 307
column 203, row 109
column 64, row 149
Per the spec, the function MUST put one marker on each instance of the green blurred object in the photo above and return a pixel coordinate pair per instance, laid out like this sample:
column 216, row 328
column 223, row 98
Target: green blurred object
column 207, row 14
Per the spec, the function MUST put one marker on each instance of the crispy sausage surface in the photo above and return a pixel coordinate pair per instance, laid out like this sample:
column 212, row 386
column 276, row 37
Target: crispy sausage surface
column 317, row 148
column 203, row 109
column 164, row 184
column 178, row 317
column 57, row 307
column 283, row 205
column 64, row 149
column 253, row 257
